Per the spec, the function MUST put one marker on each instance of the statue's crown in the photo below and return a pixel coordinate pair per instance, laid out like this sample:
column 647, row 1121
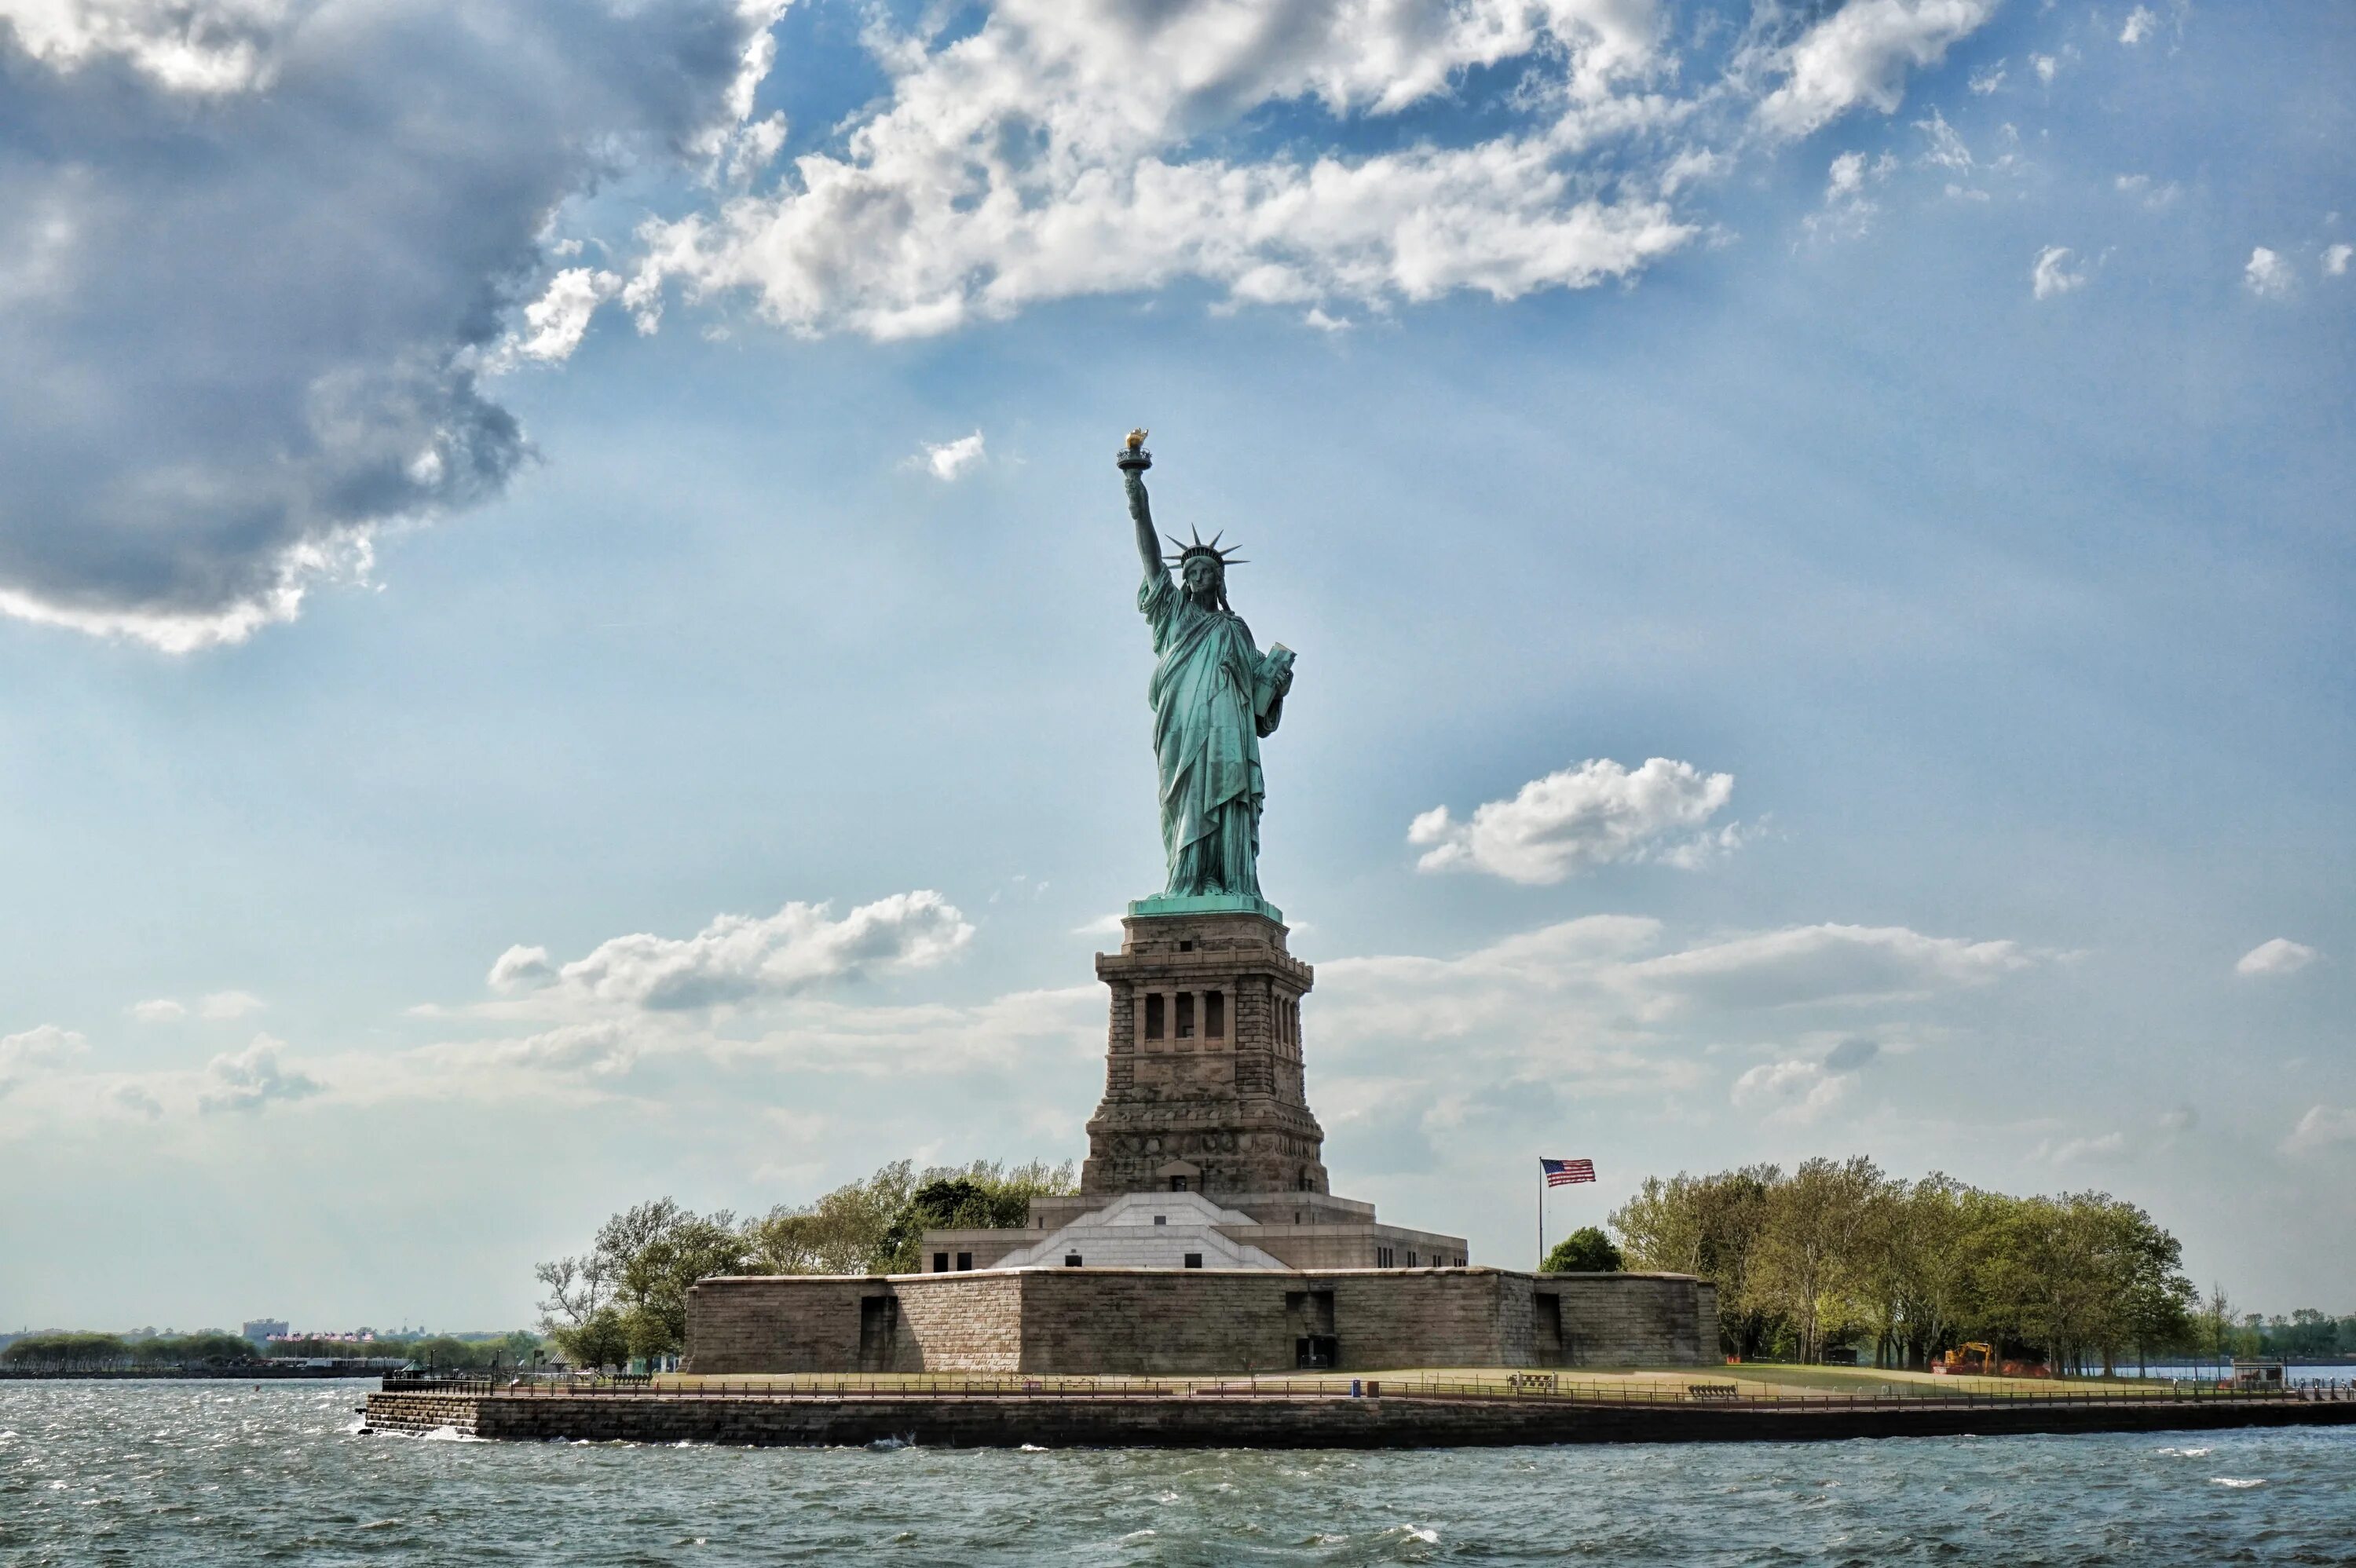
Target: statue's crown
column 1187, row 552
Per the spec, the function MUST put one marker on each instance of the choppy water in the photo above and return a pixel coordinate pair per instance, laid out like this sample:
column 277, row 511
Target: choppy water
column 214, row 1473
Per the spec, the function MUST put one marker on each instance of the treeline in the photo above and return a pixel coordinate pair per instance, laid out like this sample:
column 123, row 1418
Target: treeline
column 2306, row 1334
column 95, row 1352
column 625, row 1298
column 1836, row 1253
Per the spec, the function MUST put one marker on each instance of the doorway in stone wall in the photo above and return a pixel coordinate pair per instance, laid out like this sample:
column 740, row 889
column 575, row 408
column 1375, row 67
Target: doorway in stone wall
column 879, row 1327
column 1546, row 1344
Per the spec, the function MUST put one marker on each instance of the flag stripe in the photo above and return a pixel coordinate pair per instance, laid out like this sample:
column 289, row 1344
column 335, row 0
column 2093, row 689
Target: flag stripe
column 1564, row 1172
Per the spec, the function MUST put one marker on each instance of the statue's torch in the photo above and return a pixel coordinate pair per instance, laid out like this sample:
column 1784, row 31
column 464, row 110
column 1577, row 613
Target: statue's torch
column 1134, row 458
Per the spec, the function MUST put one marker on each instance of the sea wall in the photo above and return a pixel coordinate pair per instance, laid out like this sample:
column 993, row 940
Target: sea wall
column 1265, row 1422
column 1195, row 1321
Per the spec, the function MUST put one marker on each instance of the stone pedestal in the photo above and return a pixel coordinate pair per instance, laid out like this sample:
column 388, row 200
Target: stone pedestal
column 1203, row 1070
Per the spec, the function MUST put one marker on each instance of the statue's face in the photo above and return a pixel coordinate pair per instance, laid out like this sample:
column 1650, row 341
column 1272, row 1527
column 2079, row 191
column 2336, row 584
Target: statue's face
column 1202, row 574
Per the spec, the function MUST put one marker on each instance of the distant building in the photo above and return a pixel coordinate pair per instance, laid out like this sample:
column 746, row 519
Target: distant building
column 262, row 1330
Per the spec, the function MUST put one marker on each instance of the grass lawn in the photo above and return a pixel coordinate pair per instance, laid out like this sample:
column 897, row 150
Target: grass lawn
column 1755, row 1379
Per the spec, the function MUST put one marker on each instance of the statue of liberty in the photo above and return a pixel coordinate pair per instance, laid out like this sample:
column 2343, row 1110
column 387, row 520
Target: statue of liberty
column 1214, row 695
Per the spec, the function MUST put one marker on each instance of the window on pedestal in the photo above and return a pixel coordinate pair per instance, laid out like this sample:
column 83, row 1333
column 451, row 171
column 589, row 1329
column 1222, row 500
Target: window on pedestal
column 965, row 1262
column 1214, row 1015
column 1385, row 1258
column 1185, row 1014
column 1153, row 1016
column 1177, row 1184
column 940, row 1263
column 1071, row 1260
column 1194, row 1260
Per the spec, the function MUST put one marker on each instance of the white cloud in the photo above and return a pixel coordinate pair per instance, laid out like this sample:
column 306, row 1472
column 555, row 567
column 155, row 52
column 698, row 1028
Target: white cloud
column 522, row 969
column 2140, row 25
column 558, row 320
column 160, row 1010
column 1052, row 153
column 2322, row 1127
column 2046, row 66
column 2153, row 197
column 1848, row 210
column 1596, row 814
column 1986, row 81
column 2267, row 274
column 2336, row 259
column 228, row 1005
column 1817, row 965
column 249, row 1078
column 2079, row 1150
column 2052, row 275
column 42, row 1048
column 946, row 460
column 739, row 958
column 2279, row 956
column 1790, row 1092
column 1860, row 53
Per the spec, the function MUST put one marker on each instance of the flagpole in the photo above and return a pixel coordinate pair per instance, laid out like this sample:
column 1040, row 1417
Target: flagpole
column 1540, row 1267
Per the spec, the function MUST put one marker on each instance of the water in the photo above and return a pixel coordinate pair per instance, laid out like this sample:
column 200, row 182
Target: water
column 225, row 1473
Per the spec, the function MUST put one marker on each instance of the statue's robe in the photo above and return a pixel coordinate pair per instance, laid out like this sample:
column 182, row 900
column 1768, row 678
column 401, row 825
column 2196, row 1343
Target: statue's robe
column 1213, row 696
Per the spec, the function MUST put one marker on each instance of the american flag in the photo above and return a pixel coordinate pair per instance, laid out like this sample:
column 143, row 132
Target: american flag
column 1563, row 1172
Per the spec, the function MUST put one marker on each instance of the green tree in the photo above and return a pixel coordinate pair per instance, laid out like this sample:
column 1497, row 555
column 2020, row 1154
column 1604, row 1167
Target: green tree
column 1709, row 1226
column 1811, row 1252
column 1585, row 1251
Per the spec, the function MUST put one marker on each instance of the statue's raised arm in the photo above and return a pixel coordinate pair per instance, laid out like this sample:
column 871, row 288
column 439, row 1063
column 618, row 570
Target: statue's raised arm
column 1134, row 461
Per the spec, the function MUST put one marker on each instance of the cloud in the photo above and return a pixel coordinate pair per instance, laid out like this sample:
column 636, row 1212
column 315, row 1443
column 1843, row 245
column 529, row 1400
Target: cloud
column 1860, row 53
column 42, row 1048
column 2336, row 259
column 2267, row 274
column 2153, row 196
column 2322, row 1127
column 2279, row 956
column 558, row 320
column 2079, row 1150
column 946, row 460
column 738, row 958
column 138, row 1101
column 1987, row 81
column 1847, row 210
column 1816, row 964
column 522, row 969
column 2051, row 274
column 228, row 1005
column 1851, row 1054
column 1596, row 814
column 2046, row 67
column 1792, row 1092
column 259, row 256
column 161, row 1010
column 2140, row 25
column 251, row 1079
column 1063, row 150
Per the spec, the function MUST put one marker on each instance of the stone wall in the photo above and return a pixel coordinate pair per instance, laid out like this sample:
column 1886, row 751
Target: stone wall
column 1195, row 1322
column 1296, row 1423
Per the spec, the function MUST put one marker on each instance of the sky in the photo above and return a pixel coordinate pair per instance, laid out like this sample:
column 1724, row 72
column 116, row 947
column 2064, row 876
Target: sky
column 568, row 629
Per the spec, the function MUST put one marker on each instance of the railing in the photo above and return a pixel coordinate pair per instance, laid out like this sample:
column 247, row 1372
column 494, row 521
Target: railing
column 1503, row 1388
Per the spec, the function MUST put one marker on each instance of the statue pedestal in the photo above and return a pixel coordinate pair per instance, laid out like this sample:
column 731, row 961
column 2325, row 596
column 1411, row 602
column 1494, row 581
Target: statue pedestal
column 1206, row 904
column 1202, row 1075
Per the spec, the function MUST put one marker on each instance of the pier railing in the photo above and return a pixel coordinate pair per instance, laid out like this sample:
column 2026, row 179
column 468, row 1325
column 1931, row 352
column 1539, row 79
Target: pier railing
column 1552, row 1387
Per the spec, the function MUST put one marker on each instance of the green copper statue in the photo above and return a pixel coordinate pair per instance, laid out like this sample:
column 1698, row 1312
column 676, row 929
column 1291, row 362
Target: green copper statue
column 1214, row 694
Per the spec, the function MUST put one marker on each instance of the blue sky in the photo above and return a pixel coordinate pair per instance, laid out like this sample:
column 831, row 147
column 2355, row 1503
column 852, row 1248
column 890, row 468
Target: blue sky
column 487, row 556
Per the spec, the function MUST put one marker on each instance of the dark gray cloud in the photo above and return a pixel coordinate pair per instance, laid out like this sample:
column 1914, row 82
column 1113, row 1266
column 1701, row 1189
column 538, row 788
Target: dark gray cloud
column 252, row 261
column 1851, row 1054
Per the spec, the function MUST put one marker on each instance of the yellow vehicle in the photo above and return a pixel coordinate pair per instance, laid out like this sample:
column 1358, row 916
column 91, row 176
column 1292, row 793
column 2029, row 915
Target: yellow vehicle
column 1973, row 1360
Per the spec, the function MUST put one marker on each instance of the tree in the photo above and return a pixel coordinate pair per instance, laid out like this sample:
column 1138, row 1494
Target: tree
column 1585, row 1251
column 1709, row 1226
column 1810, row 1254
